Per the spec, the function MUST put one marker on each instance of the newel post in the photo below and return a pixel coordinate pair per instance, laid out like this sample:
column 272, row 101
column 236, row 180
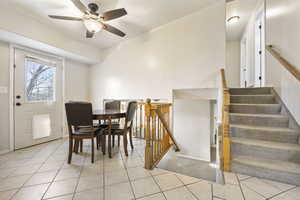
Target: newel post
column 148, row 149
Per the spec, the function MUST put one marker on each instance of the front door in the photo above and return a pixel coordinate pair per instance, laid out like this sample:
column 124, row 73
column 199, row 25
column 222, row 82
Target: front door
column 38, row 98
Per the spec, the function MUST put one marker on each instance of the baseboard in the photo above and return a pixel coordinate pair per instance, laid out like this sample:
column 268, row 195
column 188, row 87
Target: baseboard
column 4, row 151
column 191, row 157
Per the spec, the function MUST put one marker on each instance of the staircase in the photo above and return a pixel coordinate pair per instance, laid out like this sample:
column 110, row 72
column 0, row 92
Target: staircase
column 264, row 137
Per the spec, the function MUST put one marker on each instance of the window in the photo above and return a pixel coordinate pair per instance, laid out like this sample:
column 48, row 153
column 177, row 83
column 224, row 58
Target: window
column 39, row 81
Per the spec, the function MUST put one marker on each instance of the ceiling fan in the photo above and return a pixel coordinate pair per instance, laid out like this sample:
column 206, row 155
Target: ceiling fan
column 93, row 21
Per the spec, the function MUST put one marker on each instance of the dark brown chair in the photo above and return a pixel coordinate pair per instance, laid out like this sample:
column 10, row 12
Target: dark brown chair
column 113, row 105
column 80, row 125
column 122, row 130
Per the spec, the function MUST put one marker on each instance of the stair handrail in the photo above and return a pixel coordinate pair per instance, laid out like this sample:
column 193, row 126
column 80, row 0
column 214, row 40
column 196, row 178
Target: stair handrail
column 224, row 83
column 291, row 68
column 226, row 157
column 158, row 135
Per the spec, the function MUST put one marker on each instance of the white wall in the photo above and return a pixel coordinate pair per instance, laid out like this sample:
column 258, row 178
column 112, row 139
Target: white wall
column 233, row 50
column 192, row 127
column 4, row 98
column 283, row 31
column 186, row 53
column 77, row 81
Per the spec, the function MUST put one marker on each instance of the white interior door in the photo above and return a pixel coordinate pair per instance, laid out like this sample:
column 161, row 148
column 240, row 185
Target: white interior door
column 259, row 51
column 38, row 99
column 244, row 71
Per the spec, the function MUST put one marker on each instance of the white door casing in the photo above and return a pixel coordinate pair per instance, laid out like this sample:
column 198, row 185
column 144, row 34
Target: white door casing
column 244, row 69
column 38, row 98
column 259, row 51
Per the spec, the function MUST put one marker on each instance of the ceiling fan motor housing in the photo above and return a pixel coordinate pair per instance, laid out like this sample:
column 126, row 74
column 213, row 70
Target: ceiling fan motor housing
column 93, row 7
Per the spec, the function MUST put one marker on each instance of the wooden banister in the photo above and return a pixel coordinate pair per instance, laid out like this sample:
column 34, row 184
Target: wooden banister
column 292, row 69
column 158, row 135
column 224, row 83
column 226, row 157
column 166, row 127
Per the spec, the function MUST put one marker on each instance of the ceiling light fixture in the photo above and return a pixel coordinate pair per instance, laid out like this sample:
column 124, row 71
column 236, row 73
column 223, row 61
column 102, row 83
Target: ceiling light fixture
column 93, row 25
column 233, row 19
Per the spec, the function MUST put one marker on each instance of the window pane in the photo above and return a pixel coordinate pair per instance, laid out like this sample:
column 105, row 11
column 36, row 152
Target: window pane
column 39, row 81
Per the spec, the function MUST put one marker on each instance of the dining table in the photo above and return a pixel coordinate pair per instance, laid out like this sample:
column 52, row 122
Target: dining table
column 108, row 116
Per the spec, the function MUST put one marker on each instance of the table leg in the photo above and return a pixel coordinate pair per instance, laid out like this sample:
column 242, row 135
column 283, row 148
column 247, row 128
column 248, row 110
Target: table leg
column 109, row 137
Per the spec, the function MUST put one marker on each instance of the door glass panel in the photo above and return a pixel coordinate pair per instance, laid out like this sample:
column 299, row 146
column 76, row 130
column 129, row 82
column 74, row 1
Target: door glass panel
column 39, row 81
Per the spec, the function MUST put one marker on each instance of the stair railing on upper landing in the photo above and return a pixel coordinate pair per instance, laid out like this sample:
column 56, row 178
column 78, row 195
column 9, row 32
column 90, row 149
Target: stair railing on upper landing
column 225, row 156
column 158, row 135
column 292, row 69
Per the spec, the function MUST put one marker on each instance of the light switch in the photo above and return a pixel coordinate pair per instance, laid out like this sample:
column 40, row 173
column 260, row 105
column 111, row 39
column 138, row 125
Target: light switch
column 3, row 90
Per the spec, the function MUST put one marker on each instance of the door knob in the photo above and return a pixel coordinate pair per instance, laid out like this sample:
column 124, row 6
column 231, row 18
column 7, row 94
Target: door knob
column 18, row 104
column 18, row 97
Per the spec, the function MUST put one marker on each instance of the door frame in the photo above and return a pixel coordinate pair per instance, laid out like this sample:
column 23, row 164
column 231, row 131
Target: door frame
column 259, row 33
column 12, row 48
column 243, row 64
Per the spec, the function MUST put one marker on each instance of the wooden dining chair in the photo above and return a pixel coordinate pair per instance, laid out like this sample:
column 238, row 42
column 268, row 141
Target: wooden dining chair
column 80, row 126
column 113, row 105
column 124, row 129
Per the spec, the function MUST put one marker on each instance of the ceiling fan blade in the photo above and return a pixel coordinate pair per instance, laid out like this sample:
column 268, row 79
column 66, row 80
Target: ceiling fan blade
column 80, row 6
column 65, row 18
column 89, row 34
column 113, row 14
column 113, row 30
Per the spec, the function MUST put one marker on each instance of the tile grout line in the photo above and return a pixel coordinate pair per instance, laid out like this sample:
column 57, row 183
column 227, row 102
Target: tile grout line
column 128, row 175
column 81, row 169
column 212, row 191
column 19, row 189
column 185, row 186
column 281, row 192
column 264, row 181
column 254, row 190
column 161, row 191
column 240, row 186
column 103, row 175
column 53, row 180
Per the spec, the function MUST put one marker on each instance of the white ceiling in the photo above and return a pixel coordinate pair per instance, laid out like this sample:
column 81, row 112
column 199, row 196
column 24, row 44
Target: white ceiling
column 242, row 8
column 143, row 15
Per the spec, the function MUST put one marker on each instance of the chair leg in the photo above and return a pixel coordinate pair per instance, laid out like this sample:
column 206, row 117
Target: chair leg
column 103, row 144
column 97, row 142
column 76, row 145
column 130, row 138
column 113, row 141
column 118, row 140
column 81, row 146
column 93, row 150
column 125, row 143
column 70, row 150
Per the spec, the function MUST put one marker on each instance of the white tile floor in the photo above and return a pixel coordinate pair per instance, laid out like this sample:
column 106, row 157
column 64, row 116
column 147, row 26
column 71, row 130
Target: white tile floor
column 41, row 172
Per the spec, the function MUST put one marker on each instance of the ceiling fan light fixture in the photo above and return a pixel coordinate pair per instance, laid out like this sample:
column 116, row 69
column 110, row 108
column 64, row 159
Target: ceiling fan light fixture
column 93, row 25
column 233, row 19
